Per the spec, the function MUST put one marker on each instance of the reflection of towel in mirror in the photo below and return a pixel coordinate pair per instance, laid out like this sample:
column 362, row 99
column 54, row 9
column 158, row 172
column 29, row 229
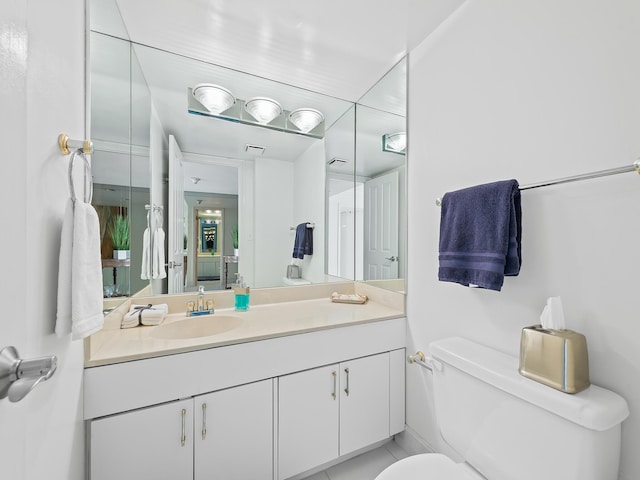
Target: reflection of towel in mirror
column 480, row 233
column 144, row 315
column 303, row 244
column 145, row 272
column 157, row 255
column 80, row 273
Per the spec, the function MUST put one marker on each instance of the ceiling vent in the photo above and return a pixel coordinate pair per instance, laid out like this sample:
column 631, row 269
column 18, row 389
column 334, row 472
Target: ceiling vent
column 337, row 162
column 254, row 149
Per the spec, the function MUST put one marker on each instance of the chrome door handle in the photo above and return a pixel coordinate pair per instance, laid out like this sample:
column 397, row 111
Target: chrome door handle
column 392, row 259
column 172, row 264
column 18, row 376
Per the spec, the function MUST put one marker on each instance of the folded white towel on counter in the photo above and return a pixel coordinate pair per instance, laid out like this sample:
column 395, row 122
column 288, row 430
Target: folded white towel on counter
column 144, row 315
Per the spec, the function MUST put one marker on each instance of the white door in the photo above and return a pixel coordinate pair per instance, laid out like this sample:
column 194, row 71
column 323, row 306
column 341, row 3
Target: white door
column 150, row 443
column 234, row 433
column 308, row 406
column 176, row 218
column 364, row 402
column 381, row 227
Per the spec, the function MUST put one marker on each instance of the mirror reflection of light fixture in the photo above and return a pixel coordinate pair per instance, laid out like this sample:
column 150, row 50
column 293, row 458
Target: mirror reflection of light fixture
column 394, row 142
column 306, row 119
column 214, row 98
column 263, row 109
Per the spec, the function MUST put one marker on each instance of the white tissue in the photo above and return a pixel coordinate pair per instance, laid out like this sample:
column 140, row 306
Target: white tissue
column 552, row 316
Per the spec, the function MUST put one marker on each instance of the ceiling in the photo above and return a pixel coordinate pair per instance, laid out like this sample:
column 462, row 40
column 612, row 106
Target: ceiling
column 335, row 47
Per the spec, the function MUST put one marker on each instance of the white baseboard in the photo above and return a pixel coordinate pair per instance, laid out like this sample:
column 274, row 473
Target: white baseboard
column 412, row 443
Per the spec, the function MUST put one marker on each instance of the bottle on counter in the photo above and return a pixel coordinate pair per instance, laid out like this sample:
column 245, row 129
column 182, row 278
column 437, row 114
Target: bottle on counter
column 241, row 292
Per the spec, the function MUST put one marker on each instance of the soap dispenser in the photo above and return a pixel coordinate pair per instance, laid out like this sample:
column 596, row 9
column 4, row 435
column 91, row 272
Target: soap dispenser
column 241, row 292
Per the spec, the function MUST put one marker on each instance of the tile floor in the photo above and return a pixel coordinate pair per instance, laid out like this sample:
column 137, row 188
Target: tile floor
column 363, row 467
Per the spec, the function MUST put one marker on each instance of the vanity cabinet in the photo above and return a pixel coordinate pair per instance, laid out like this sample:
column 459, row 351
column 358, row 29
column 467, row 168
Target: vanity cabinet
column 234, row 433
column 154, row 442
column 334, row 410
column 208, row 436
column 267, row 409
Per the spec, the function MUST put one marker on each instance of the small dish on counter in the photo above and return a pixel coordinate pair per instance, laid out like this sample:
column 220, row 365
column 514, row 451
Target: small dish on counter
column 348, row 298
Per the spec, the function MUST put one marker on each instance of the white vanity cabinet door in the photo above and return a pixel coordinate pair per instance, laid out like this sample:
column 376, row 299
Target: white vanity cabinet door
column 234, row 433
column 364, row 402
column 308, row 407
column 150, row 443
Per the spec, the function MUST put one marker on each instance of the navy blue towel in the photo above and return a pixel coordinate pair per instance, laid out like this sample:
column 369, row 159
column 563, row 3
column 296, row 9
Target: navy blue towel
column 303, row 244
column 480, row 233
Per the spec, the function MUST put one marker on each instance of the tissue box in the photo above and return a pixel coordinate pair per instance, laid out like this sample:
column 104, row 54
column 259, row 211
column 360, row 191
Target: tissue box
column 557, row 358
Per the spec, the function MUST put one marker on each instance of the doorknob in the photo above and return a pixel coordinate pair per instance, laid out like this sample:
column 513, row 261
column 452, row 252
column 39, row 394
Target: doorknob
column 173, row 264
column 392, row 259
column 18, row 376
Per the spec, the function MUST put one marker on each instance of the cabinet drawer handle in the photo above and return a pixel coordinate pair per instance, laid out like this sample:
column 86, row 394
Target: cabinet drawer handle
column 346, row 390
column 183, row 437
column 335, row 384
column 204, row 421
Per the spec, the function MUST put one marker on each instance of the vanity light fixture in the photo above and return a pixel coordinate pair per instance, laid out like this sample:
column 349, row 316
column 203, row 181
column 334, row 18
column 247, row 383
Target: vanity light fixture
column 395, row 142
column 306, row 119
column 210, row 100
column 213, row 97
column 263, row 109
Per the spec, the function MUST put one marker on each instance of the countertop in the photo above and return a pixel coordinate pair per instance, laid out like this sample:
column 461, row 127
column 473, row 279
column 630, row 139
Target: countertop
column 263, row 321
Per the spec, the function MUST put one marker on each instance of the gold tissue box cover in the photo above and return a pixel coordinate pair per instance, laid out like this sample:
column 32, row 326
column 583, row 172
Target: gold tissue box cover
column 557, row 358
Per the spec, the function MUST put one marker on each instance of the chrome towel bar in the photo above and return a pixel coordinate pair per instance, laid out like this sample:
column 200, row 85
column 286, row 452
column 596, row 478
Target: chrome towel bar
column 576, row 178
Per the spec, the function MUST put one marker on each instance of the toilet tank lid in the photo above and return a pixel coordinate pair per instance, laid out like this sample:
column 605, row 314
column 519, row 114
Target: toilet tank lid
column 595, row 408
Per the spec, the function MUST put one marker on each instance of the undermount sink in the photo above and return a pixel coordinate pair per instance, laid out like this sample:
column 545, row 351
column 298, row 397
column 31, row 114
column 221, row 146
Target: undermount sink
column 195, row 327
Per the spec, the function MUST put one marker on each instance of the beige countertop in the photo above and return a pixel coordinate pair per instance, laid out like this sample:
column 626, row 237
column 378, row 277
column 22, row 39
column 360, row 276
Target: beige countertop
column 261, row 321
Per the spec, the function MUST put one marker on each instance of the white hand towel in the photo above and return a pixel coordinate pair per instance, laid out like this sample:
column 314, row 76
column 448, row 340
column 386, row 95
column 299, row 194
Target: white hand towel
column 63, row 316
column 158, row 255
column 145, row 315
column 145, row 272
column 80, row 300
column 86, row 281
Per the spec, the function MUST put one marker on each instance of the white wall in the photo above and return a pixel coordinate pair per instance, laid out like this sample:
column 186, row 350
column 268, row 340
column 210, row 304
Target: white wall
column 273, row 214
column 532, row 90
column 309, row 206
column 42, row 436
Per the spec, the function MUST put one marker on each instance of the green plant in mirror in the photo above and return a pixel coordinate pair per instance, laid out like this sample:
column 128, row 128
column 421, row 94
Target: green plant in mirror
column 234, row 235
column 119, row 232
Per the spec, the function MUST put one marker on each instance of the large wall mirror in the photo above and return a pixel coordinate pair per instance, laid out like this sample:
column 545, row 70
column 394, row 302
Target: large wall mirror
column 228, row 197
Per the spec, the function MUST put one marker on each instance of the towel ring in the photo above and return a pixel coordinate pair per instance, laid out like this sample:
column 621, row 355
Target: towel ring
column 87, row 174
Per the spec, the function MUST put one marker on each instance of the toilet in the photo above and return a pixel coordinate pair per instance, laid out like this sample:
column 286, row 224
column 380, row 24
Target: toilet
column 507, row 427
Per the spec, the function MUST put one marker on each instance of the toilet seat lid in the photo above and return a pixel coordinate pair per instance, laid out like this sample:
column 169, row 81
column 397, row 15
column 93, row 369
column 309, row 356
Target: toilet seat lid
column 427, row 466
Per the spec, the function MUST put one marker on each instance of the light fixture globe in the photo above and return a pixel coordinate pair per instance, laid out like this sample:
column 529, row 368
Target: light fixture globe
column 263, row 109
column 306, row 119
column 214, row 98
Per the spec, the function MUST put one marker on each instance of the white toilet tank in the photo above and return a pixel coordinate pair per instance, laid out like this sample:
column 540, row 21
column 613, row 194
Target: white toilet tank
column 512, row 428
